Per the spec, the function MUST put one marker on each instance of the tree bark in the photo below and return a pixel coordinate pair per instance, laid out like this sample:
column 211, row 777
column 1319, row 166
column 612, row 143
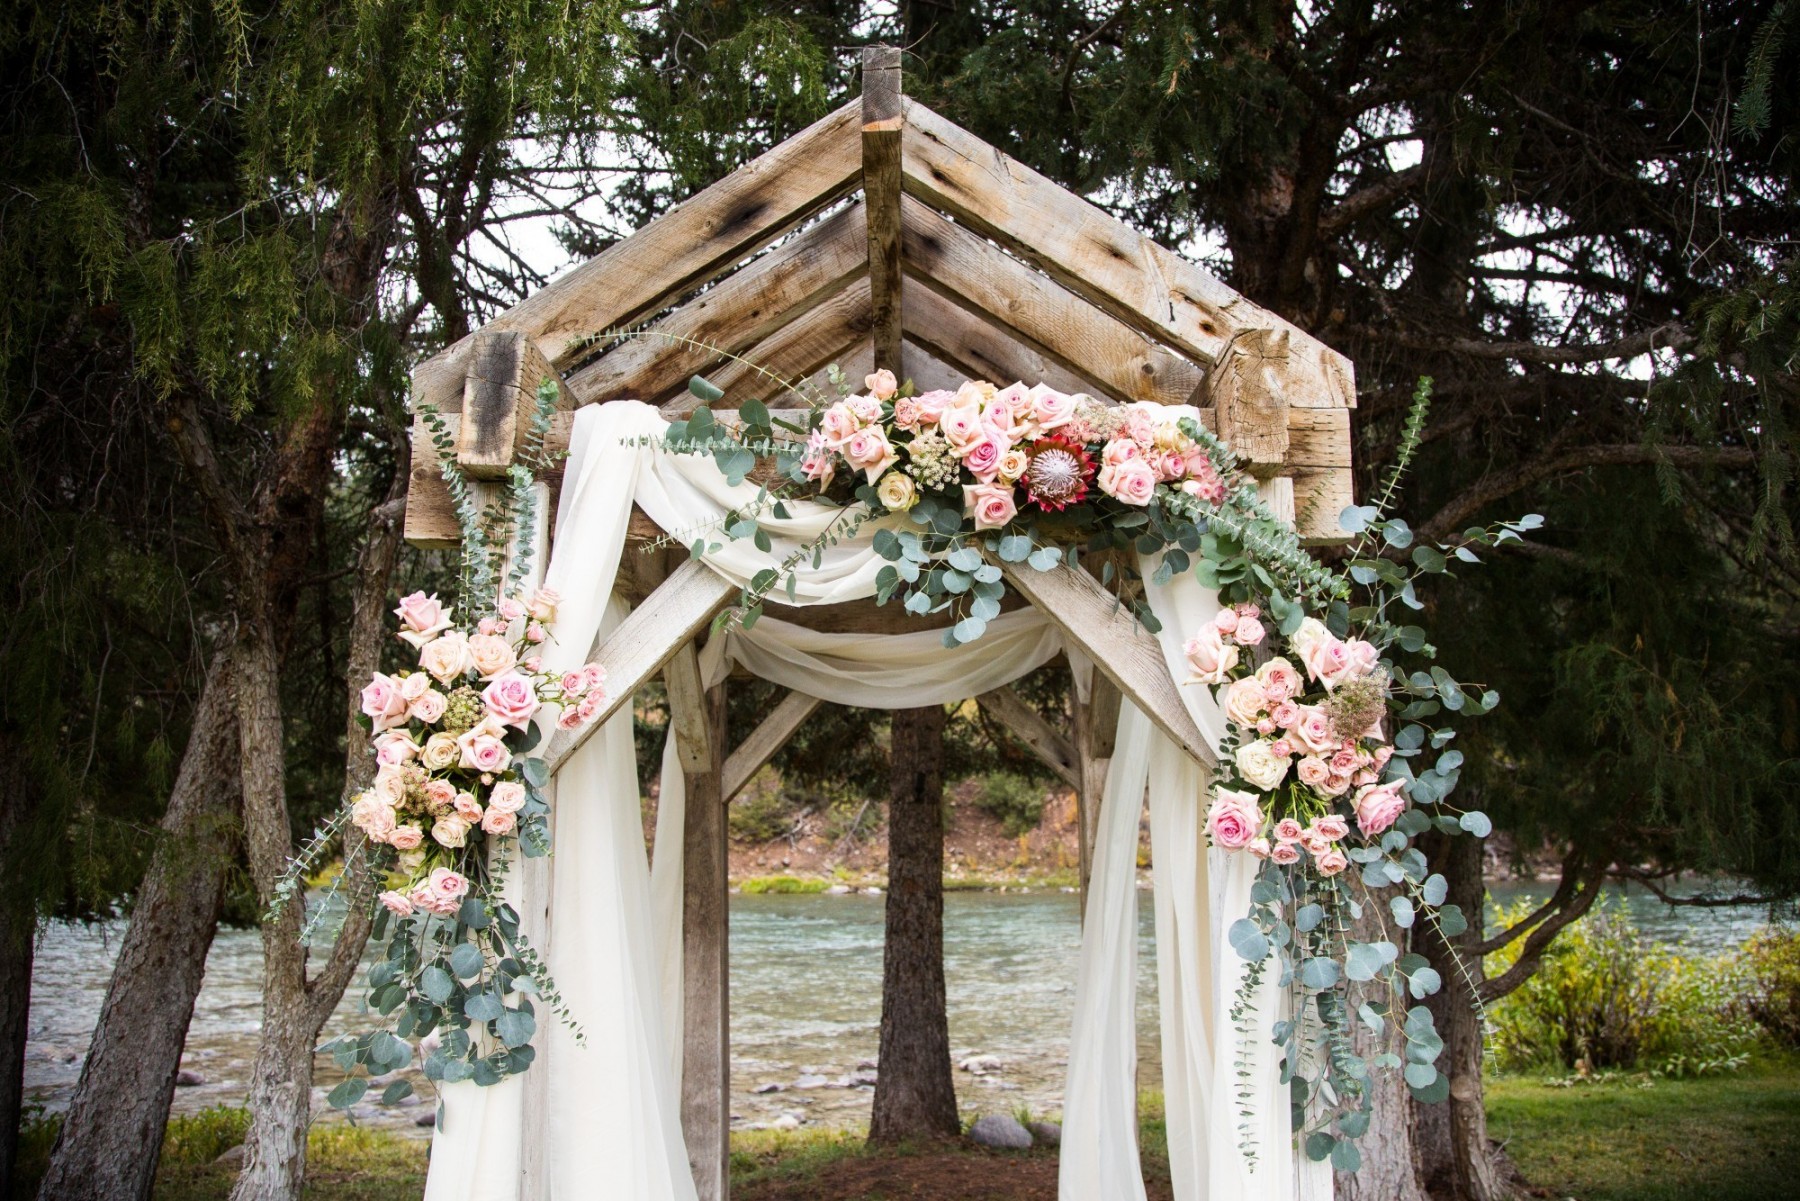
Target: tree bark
column 112, row 1135
column 914, row 1094
column 1389, row 1169
column 18, row 929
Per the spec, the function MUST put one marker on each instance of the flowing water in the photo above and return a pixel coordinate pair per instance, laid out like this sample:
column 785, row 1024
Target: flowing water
column 805, row 1001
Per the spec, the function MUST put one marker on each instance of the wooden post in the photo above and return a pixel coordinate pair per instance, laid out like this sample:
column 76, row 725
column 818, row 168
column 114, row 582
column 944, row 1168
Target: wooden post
column 1096, row 722
column 705, row 963
column 1245, row 389
column 499, row 398
column 881, row 127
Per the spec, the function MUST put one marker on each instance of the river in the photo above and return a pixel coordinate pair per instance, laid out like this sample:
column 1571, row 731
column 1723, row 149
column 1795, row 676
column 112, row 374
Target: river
column 805, row 1000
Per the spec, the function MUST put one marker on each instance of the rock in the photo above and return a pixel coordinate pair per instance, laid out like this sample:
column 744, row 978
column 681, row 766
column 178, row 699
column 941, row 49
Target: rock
column 426, row 1119
column 234, row 1157
column 874, row 892
column 999, row 1130
column 863, row 1079
column 787, row 1121
column 811, row 1081
column 837, row 890
column 767, row 1086
column 188, row 1078
column 981, row 1065
column 868, row 1065
column 1047, row 1134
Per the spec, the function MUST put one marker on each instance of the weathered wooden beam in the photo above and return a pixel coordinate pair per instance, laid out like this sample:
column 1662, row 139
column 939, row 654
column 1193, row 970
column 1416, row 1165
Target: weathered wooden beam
column 1096, row 722
column 981, row 349
column 499, row 400
column 1029, row 727
column 676, row 253
column 1048, row 317
column 689, row 723
column 1100, row 257
column 1093, row 620
column 647, row 638
column 705, row 970
column 1250, row 409
column 792, row 353
column 881, row 189
column 750, row 756
column 735, row 314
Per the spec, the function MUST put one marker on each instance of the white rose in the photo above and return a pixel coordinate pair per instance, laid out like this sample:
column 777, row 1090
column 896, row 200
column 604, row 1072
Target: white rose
column 1309, row 633
column 440, row 752
column 1258, row 763
column 896, row 491
column 447, row 657
column 450, row 830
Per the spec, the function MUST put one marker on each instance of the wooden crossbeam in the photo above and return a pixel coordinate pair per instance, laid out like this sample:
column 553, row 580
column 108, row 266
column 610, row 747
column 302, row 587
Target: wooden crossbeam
column 734, row 315
column 1029, row 727
column 981, row 349
column 1125, row 652
column 750, row 756
column 792, row 353
column 499, row 399
column 1054, row 321
column 647, row 638
column 881, row 190
column 676, row 253
column 1100, row 257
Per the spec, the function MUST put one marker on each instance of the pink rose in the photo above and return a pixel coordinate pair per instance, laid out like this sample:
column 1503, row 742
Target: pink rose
column 1312, row 771
column 1285, row 853
column 511, row 700
column 1259, row 847
column 466, row 806
column 397, row 903
column 991, row 504
column 1377, row 807
column 510, row 609
column 489, row 625
column 422, row 618
column 1285, row 714
column 1008, row 414
column 543, row 604
column 507, row 797
column 373, row 817
column 569, row 718
column 1209, row 656
column 1331, row 862
column 1288, row 830
column 983, row 458
column 383, row 702
column 571, row 683
column 881, row 384
column 593, row 677
column 869, row 452
column 429, row 706
column 440, row 794
column 838, row 425
column 590, row 705
column 1344, row 762
column 447, row 658
column 482, row 748
column 1226, row 620
column 1131, row 482
column 406, row 838
column 1279, row 680
column 1050, row 408
column 1246, row 609
column 498, row 821
column 1233, row 819
column 907, row 415
column 1332, row 826
column 1245, row 701
column 448, row 884
column 866, row 409
column 1141, row 420
column 534, row 632
column 818, row 463
column 1281, row 747
column 1314, row 730
column 1327, row 660
column 932, row 405
column 394, row 748
column 1120, row 450
column 1382, row 755
column 1266, row 726
column 1249, row 631
column 961, row 425
column 1213, row 492
column 1335, row 785
column 1315, row 842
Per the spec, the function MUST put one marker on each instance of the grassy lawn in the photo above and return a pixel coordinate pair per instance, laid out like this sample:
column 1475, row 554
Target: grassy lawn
column 1721, row 1138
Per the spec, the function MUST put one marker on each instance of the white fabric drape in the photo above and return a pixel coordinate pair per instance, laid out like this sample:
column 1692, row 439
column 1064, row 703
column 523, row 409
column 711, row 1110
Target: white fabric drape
column 615, row 950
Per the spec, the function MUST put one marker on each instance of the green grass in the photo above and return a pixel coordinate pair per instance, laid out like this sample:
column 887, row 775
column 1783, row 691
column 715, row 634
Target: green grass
column 784, row 884
column 1634, row 1138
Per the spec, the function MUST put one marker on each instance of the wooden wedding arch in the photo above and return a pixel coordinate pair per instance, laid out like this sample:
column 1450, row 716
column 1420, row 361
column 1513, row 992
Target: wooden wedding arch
column 955, row 261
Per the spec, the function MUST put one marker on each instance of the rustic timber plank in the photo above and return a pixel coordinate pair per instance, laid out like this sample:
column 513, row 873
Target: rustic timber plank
column 647, row 638
column 1029, row 727
column 1100, row 257
column 1250, row 408
column 792, row 353
column 676, row 253
column 1096, row 723
column 750, row 756
column 733, row 315
column 1093, row 620
column 430, row 517
column 982, row 349
column 705, row 970
column 1320, row 496
column 881, row 190
column 688, row 720
column 499, row 401
column 978, row 275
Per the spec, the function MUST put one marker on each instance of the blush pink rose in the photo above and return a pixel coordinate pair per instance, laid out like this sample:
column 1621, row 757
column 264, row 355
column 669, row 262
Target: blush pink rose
column 1279, row 680
column 1314, row 730
column 1285, row 853
column 932, row 405
column 383, row 702
column 1234, row 819
column 507, row 797
column 1377, row 807
column 498, row 821
column 907, row 415
column 1335, row 785
column 1288, row 830
column 466, row 806
column 373, row 817
column 440, row 794
column 1120, row 450
column 1332, row 826
column 1327, row 660
column 961, row 425
column 992, row 505
column 1285, row 714
column 1050, row 408
column 482, row 748
column 1141, row 420
column 1314, row 842
column 489, row 625
column 448, row 884
column 838, row 425
column 983, row 457
column 394, row 748
column 510, row 699
column 869, row 452
column 429, row 706
column 422, row 618
column 1249, row 631
column 1331, row 862
column 571, row 683
column 1266, row 726
column 1210, row 657
column 1259, row 847
column 881, row 384
column 397, row 903
column 1312, row 771
column 406, row 838
column 1281, row 747
column 1344, row 762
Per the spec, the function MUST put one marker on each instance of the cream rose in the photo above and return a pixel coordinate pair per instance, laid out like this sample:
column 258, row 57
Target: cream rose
column 491, row 655
column 897, row 492
column 450, row 830
column 1013, row 464
column 406, row 838
column 881, row 384
column 1259, row 764
column 1312, row 771
column 390, row 784
column 447, row 658
column 1210, row 657
column 499, row 822
column 1245, row 701
column 373, row 817
column 507, row 796
column 440, row 752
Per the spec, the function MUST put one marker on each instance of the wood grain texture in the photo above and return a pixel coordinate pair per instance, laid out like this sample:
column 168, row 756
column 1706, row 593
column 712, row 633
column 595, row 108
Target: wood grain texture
column 676, row 253
column 499, row 401
column 430, row 517
column 1115, row 266
column 981, row 349
column 1029, row 727
column 688, row 719
column 705, row 972
column 764, row 742
column 1093, row 620
column 881, row 193
column 647, row 638
column 1320, row 497
column 1245, row 389
column 1056, row 322
column 792, row 353
column 735, row 314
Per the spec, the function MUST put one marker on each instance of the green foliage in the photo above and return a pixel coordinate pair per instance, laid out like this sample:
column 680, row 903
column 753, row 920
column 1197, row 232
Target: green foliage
column 763, row 816
column 1772, row 962
column 200, row 1138
column 787, row 885
column 1018, row 803
column 1606, row 997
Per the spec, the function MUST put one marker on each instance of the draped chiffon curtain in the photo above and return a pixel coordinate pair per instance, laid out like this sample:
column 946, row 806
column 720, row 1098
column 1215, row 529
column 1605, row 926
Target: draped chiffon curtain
column 615, row 946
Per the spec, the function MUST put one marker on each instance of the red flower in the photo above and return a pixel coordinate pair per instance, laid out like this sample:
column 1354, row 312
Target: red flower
column 1058, row 474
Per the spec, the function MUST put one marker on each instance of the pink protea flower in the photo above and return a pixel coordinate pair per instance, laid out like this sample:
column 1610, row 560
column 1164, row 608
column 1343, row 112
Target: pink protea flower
column 1059, row 473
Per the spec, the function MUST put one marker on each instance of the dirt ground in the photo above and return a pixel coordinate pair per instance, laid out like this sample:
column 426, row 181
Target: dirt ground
column 960, row 1175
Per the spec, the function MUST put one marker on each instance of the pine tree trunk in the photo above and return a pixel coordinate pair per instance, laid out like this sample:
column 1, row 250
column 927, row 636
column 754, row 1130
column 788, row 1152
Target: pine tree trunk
column 914, row 1095
column 18, row 929
column 1457, row 1161
column 112, row 1135
column 1389, row 1169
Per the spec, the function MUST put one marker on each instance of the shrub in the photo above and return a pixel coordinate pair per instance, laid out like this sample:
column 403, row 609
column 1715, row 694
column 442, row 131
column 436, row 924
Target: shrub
column 200, row 1138
column 762, row 884
column 1018, row 803
column 1772, row 962
column 1606, row 997
column 763, row 815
